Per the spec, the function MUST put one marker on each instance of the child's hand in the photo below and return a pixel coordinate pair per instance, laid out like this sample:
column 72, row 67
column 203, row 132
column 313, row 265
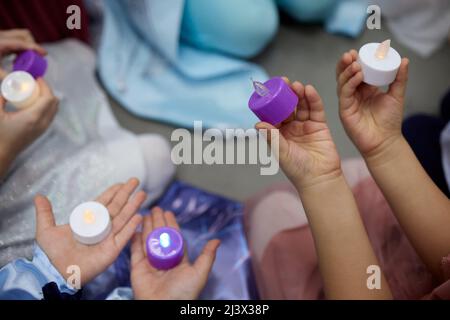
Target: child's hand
column 307, row 151
column 63, row 250
column 184, row 282
column 370, row 117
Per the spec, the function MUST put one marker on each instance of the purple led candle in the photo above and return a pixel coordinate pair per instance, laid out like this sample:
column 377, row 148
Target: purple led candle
column 31, row 62
column 165, row 247
column 273, row 101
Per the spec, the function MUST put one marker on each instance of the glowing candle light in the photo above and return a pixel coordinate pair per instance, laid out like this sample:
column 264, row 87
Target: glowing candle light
column 272, row 101
column 165, row 247
column 90, row 223
column 20, row 89
column 379, row 63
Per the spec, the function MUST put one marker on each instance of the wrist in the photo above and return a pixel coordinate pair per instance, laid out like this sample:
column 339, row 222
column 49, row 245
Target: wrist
column 321, row 182
column 386, row 152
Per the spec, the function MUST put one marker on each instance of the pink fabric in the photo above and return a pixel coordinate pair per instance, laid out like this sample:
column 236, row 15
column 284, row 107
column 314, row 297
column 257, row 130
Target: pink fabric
column 291, row 272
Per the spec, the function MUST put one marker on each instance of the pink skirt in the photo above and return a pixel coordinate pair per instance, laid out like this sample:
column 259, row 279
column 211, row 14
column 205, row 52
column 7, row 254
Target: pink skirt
column 284, row 258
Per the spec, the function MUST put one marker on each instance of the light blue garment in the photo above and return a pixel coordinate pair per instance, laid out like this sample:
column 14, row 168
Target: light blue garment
column 143, row 66
column 237, row 27
column 23, row 279
column 348, row 18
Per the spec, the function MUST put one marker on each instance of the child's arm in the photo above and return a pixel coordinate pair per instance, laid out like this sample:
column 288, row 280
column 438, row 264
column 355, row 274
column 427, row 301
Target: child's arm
column 309, row 158
column 373, row 120
column 342, row 244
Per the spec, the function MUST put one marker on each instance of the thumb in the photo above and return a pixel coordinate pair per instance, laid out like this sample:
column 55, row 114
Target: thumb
column 204, row 262
column 283, row 144
column 44, row 213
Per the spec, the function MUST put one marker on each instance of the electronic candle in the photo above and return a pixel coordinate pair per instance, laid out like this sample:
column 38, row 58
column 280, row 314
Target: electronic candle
column 20, row 89
column 165, row 247
column 379, row 63
column 31, row 62
column 90, row 222
column 273, row 101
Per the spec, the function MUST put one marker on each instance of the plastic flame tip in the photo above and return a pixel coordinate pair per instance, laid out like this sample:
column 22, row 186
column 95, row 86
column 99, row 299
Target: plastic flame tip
column 383, row 49
column 260, row 88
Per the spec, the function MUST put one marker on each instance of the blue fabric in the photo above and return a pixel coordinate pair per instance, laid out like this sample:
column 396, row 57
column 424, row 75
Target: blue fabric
column 202, row 216
column 143, row 65
column 348, row 18
column 22, row 279
column 345, row 17
column 307, row 10
column 237, row 27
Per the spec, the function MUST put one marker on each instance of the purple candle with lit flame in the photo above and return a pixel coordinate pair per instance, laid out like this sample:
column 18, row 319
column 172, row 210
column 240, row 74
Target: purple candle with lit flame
column 165, row 247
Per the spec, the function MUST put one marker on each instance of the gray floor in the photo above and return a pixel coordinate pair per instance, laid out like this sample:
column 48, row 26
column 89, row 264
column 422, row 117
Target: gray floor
column 307, row 54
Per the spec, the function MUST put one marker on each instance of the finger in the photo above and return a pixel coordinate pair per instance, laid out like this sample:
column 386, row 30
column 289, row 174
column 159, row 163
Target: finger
column 286, row 79
column 266, row 129
column 291, row 118
column 122, row 196
column 147, row 228
column 398, row 88
column 348, row 73
column 106, row 197
column 205, row 261
column 171, row 220
column 349, row 88
column 13, row 46
column 127, row 231
column 157, row 218
column 137, row 250
column 46, row 104
column 44, row 213
column 316, row 108
column 302, row 108
column 24, row 35
column 345, row 60
column 21, row 34
column 44, row 88
column 128, row 211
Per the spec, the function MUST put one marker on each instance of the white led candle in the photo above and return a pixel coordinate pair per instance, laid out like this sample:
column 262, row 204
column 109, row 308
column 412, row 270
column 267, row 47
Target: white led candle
column 379, row 63
column 20, row 89
column 90, row 222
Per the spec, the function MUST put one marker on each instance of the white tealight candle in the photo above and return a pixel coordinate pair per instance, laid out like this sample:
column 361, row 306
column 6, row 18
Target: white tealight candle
column 20, row 89
column 379, row 63
column 90, row 222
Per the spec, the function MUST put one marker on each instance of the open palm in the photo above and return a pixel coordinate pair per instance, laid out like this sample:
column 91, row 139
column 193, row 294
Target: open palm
column 183, row 282
column 307, row 152
column 371, row 117
column 63, row 250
